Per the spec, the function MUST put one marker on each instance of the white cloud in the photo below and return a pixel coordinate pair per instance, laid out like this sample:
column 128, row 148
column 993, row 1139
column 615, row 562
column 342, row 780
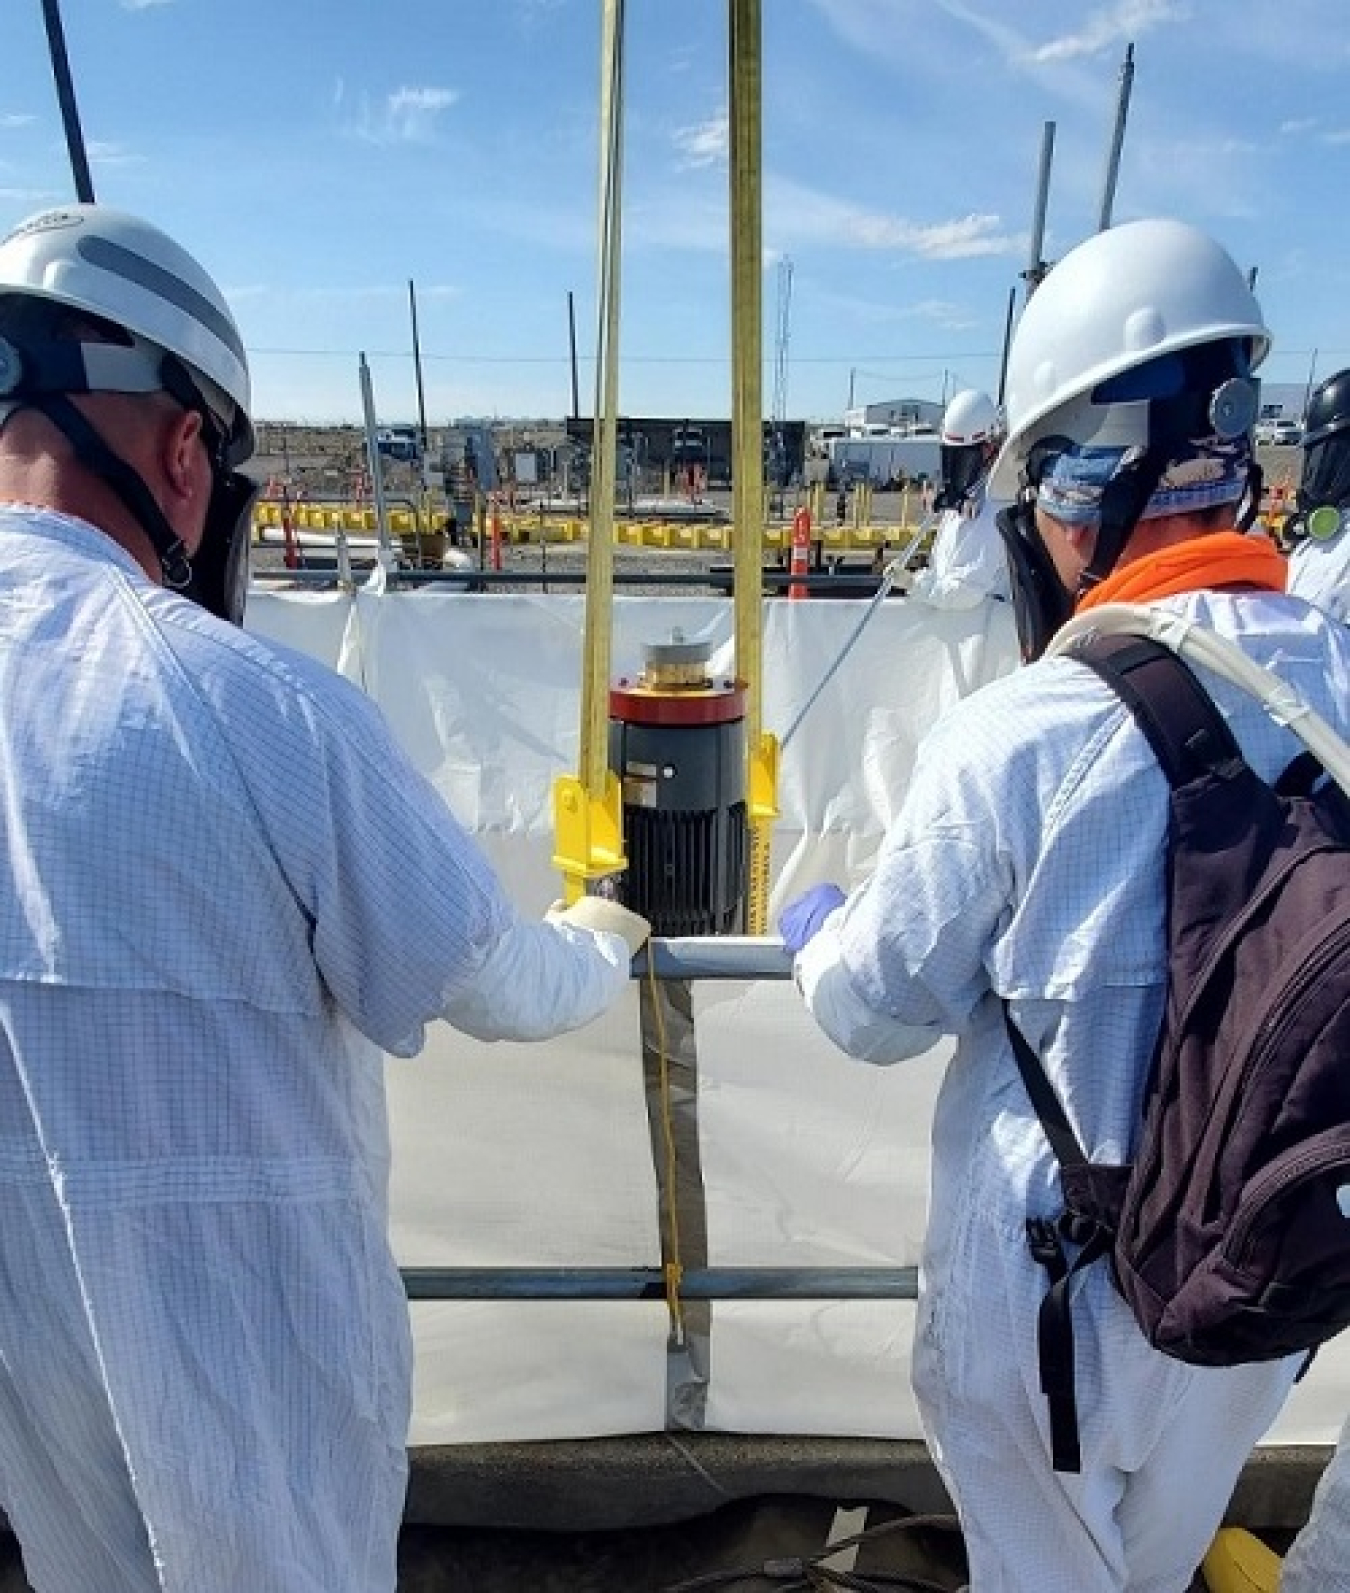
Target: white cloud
column 944, row 240
column 943, row 313
column 1118, row 24
column 801, row 212
column 408, row 115
column 703, row 144
column 102, row 153
column 939, row 312
column 143, row 5
column 411, row 111
column 16, row 119
column 1301, row 124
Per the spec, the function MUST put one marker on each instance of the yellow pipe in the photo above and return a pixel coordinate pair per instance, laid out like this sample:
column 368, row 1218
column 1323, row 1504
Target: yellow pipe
column 588, row 807
column 747, row 435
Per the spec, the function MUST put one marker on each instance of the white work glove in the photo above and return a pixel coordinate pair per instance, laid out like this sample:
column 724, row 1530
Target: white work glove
column 599, row 914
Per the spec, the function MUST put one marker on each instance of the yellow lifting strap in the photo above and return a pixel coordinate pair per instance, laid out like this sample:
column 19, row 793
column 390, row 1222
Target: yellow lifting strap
column 762, row 810
column 747, row 424
column 1239, row 1562
column 588, row 807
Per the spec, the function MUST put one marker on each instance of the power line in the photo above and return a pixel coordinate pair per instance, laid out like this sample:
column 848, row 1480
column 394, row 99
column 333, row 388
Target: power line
column 633, row 359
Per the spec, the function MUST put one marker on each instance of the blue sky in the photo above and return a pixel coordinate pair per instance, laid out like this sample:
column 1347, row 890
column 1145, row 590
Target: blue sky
column 318, row 156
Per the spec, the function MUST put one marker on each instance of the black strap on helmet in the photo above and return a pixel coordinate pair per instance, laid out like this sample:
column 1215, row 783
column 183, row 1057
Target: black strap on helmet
column 1040, row 602
column 95, row 455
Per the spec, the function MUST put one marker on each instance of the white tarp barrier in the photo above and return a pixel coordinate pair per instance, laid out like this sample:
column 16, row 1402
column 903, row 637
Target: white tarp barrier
column 536, row 1156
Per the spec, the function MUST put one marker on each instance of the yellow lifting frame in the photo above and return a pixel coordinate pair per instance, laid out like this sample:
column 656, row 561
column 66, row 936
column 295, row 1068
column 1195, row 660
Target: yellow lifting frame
column 747, row 436
column 588, row 806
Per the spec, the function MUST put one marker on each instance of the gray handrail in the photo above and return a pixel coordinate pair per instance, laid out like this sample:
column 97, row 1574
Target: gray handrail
column 649, row 1283
column 683, row 958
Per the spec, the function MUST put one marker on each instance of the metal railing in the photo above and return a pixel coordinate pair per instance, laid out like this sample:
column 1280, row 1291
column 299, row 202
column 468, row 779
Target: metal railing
column 726, row 957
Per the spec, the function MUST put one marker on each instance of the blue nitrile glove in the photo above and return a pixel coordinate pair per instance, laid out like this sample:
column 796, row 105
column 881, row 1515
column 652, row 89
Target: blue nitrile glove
column 800, row 919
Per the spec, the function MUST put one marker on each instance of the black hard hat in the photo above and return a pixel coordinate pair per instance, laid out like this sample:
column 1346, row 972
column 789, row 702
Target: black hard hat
column 1328, row 409
column 1326, row 448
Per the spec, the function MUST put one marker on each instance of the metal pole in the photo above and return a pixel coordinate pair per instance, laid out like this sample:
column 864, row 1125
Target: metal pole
column 373, row 462
column 572, row 347
column 1007, row 345
column 65, row 94
column 417, row 367
column 1312, row 373
column 1036, row 267
column 1117, row 140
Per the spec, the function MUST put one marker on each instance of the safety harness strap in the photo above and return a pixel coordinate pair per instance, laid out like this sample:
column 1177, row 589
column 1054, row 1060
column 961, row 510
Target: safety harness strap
column 1048, row 1239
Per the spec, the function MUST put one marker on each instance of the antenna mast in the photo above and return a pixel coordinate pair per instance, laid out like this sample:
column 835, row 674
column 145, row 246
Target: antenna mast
column 1037, row 267
column 65, row 94
column 1117, row 140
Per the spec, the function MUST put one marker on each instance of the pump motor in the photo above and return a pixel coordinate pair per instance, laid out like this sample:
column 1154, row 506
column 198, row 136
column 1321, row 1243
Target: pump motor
column 677, row 743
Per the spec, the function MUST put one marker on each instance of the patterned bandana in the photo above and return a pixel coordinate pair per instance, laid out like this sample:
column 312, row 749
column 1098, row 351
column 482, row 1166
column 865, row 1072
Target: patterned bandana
column 1212, row 470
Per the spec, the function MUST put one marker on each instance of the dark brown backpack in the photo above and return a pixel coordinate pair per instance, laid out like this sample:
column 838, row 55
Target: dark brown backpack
column 1229, row 1233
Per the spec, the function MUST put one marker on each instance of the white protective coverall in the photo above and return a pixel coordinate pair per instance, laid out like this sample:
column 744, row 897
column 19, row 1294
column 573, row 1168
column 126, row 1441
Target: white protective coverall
column 1320, row 572
column 968, row 564
column 1319, row 1558
column 1027, row 862
column 226, row 890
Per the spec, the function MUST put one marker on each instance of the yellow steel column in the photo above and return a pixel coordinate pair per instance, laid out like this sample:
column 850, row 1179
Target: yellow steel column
column 588, row 807
column 747, row 436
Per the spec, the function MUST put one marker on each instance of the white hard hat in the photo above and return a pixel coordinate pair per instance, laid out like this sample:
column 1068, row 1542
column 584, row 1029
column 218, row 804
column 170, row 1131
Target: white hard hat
column 1119, row 301
column 124, row 270
column 971, row 417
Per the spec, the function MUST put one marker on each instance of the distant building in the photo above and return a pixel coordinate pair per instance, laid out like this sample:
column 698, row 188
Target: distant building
column 657, row 443
column 894, row 412
column 1283, row 400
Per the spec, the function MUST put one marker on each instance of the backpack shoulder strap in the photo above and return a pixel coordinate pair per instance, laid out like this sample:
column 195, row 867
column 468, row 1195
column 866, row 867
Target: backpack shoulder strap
column 1188, row 734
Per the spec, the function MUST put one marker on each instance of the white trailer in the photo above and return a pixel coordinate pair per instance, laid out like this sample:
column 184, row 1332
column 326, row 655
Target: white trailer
column 880, row 460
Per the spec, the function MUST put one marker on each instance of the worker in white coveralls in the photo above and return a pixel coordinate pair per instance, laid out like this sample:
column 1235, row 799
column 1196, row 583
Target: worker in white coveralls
column 1319, row 570
column 1319, row 1557
column 225, row 890
column 968, row 564
column 1027, row 863
column 1319, row 561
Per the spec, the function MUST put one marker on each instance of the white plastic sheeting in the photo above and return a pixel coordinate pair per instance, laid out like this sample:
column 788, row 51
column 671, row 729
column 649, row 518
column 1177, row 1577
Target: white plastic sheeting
column 531, row 1156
